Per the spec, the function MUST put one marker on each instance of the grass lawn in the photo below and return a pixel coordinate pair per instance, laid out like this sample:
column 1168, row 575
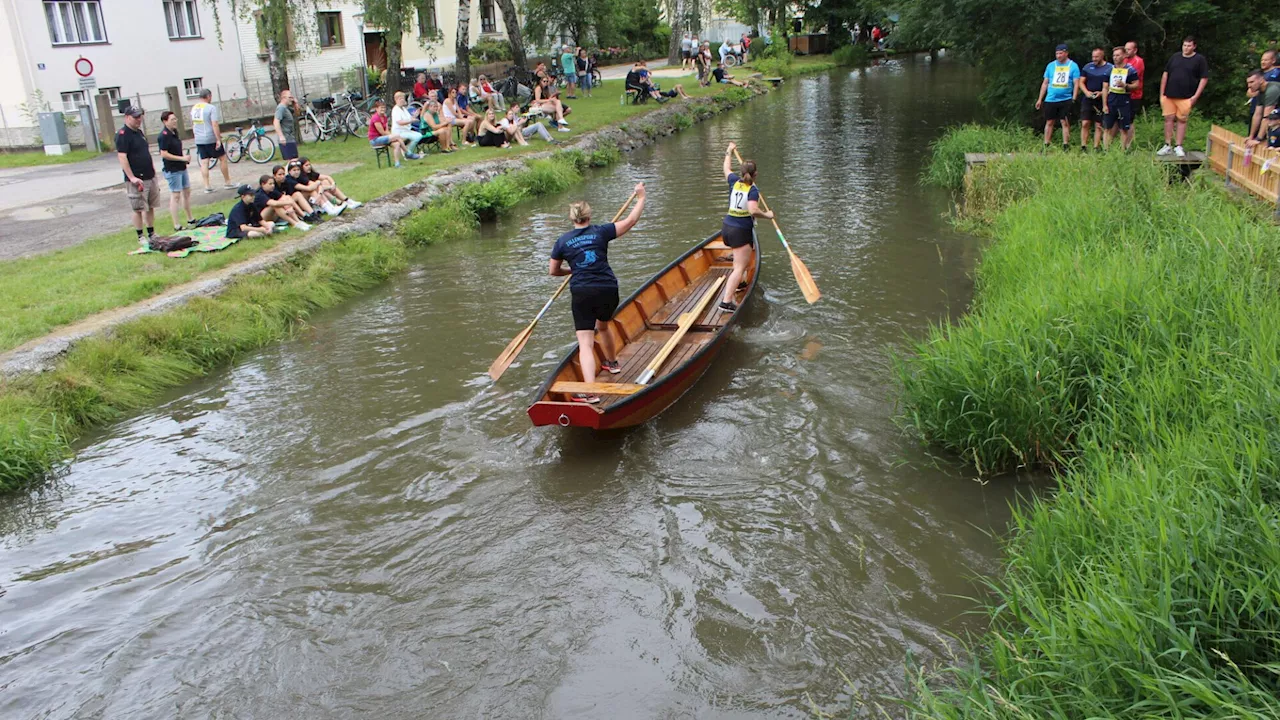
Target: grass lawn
column 32, row 158
column 41, row 293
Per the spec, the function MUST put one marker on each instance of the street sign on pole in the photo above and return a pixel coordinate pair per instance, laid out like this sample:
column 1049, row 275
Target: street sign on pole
column 88, row 83
column 84, row 67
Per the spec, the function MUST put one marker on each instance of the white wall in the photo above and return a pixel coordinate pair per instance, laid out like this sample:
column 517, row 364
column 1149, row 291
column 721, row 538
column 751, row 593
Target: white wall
column 311, row 65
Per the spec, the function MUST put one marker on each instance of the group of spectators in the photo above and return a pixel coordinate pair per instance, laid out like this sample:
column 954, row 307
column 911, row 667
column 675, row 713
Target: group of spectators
column 640, row 82
column 297, row 195
column 1109, row 92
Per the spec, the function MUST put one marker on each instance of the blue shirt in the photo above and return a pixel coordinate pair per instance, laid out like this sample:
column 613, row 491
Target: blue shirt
column 1062, row 77
column 1096, row 76
column 1117, row 83
column 587, row 250
column 740, row 194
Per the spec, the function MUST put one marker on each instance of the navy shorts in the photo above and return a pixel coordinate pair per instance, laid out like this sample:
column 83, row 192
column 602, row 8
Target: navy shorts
column 289, row 150
column 592, row 304
column 736, row 237
column 1091, row 109
column 211, row 150
column 1118, row 114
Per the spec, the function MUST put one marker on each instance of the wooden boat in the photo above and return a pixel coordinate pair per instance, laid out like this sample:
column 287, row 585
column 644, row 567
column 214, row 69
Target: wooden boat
column 681, row 302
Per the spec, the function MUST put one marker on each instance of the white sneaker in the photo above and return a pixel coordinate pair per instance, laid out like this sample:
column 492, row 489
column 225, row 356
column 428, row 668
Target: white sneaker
column 337, row 209
column 303, row 226
column 1165, row 150
column 1179, row 151
column 352, row 204
column 329, row 209
column 562, row 128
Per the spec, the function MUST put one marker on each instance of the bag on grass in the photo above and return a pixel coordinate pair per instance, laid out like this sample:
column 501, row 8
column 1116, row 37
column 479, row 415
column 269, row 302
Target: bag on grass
column 215, row 220
column 169, row 244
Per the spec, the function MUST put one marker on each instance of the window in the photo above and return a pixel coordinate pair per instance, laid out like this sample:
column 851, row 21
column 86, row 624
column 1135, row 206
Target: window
column 192, row 86
column 329, row 25
column 181, row 19
column 78, row 22
column 112, row 93
column 262, row 35
column 487, row 23
column 427, row 27
column 71, row 101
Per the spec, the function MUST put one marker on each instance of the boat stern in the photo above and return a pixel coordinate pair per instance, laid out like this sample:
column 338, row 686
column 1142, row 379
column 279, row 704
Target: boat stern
column 565, row 414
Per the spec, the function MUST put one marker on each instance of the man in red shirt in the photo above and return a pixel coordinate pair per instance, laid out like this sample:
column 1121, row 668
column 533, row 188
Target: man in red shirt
column 1131, row 57
column 420, row 88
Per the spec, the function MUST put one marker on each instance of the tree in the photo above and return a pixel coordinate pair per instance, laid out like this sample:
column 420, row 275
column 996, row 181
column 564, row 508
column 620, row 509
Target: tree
column 511, row 19
column 393, row 16
column 277, row 22
column 462, row 63
column 676, row 16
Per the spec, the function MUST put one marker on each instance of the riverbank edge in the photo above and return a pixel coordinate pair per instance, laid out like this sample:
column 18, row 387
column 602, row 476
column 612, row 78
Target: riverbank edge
column 1130, row 589
column 94, row 372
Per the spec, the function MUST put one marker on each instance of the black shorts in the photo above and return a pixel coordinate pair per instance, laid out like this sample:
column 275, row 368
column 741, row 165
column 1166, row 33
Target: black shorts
column 736, row 237
column 1091, row 109
column 685, row 54
column 1118, row 114
column 592, row 304
column 1056, row 110
column 491, row 139
column 289, row 150
column 212, row 150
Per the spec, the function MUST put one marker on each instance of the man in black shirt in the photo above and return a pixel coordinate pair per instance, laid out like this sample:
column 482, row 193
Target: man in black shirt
column 244, row 220
column 134, row 154
column 173, row 162
column 1185, row 76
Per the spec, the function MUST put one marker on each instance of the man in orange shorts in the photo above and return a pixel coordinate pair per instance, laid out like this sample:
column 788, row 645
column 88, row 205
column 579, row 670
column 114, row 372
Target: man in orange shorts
column 1181, row 86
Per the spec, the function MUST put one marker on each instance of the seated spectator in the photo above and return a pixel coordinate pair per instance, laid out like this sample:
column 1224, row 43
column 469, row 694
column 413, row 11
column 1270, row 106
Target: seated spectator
column 312, row 190
column 305, row 211
column 438, row 128
column 327, row 185
column 513, row 121
column 380, row 135
column 402, row 125
column 490, row 135
column 726, row 49
column 272, row 204
column 435, row 84
column 420, row 89
column 245, row 220
column 456, row 116
column 546, row 98
column 485, row 92
column 647, row 85
column 540, row 70
column 722, row 76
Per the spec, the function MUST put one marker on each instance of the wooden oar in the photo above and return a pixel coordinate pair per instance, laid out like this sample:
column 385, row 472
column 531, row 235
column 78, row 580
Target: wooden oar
column 682, row 327
column 517, row 343
column 803, row 277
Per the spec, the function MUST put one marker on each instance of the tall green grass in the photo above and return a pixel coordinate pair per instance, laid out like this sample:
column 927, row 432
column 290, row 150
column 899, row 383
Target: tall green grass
column 106, row 377
column 1126, row 333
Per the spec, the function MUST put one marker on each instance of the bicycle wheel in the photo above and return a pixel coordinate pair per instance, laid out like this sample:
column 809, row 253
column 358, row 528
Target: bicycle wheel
column 357, row 121
column 234, row 146
column 596, row 77
column 262, row 149
column 309, row 130
column 730, row 60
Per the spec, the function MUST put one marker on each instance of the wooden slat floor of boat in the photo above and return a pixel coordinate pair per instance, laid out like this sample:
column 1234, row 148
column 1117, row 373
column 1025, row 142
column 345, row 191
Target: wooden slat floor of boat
column 630, row 371
column 688, row 297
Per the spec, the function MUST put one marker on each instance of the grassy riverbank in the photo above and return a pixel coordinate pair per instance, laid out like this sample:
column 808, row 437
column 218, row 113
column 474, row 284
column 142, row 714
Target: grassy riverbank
column 39, row 294
column 104, row 378
column 1126, row 333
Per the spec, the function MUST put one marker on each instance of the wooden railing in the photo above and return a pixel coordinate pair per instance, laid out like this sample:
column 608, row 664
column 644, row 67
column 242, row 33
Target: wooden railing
column 1257, row 171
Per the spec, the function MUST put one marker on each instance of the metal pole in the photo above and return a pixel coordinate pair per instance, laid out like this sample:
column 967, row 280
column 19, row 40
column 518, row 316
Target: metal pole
column 364, row 64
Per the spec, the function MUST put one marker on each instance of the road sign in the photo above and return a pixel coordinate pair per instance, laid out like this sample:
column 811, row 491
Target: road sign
column 88, row 83
column 84, row 67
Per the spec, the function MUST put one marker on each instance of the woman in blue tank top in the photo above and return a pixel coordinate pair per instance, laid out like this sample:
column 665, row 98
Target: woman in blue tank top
column 738, row 231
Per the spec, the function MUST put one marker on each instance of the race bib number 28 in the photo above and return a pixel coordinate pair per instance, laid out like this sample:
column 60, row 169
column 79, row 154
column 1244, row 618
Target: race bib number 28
column 1061, row 76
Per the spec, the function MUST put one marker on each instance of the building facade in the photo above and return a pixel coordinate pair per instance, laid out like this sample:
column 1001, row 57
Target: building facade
column 433, row 40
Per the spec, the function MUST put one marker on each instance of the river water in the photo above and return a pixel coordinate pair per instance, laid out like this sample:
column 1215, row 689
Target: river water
column 358, row 523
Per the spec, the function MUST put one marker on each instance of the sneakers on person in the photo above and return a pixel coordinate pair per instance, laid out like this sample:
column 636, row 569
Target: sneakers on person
column 742, row 286
column 563, row 128
column 612, row 366
column 229, row 186
column 1180, row 152
column 352, row 204
column 1165, row 149
column 303, row 226
column 338, row 209
column 208, row 190
column 728, row 306
column 330, row 210
column 585, row 398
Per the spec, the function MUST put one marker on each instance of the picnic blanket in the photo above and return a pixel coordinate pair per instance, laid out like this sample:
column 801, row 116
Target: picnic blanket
column 208, row 239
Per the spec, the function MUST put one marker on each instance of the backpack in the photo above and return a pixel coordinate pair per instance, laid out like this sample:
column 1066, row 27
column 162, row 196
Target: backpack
column 169, row 244
column 215, row 220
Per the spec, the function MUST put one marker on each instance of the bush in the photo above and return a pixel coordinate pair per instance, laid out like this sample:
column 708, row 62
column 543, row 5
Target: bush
column 490, row 51
column 851, row 55
column 487, row 200
column 446, row 218
column 553, row 175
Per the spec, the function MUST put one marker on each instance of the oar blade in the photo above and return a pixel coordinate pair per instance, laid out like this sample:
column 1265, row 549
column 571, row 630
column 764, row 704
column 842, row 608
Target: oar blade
column 510, row 352
column 807, row 286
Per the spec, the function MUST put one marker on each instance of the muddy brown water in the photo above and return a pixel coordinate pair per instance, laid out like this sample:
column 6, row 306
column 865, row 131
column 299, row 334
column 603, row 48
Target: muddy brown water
column 358, row 523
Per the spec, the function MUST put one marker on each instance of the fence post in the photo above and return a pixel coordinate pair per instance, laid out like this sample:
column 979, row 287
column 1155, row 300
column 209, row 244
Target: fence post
column 4, row 121
column 106, row 123
column 1231, row 154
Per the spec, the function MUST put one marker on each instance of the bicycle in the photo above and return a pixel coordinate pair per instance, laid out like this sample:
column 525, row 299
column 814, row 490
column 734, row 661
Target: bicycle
column 313, row 127
column 259, row 146
column 348, row 118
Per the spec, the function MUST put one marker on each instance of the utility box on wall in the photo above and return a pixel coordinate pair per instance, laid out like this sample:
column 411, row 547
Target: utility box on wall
column 53, row 132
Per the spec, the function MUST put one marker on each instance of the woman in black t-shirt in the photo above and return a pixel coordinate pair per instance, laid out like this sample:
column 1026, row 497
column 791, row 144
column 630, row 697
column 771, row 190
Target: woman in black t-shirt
column 328, row 185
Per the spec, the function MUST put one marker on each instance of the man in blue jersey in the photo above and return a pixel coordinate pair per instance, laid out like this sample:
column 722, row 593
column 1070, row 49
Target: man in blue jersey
column 1057, row 91
column 1094, row 77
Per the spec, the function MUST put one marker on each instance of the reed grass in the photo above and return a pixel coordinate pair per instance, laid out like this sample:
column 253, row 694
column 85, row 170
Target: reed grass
column 1125, row 333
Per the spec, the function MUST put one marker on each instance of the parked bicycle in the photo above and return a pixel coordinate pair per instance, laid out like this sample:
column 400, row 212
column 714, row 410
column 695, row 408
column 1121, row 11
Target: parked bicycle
column 316, row 123
column 256, row 143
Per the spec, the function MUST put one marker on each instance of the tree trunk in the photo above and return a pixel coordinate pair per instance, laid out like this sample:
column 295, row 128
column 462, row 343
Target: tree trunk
column 392, row 40
column 675, row 16
column 511, row 19
column 462, row 64
column 277, row 68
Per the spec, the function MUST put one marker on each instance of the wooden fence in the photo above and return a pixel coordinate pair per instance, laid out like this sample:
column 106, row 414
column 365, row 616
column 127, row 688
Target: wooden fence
column 1256, row 171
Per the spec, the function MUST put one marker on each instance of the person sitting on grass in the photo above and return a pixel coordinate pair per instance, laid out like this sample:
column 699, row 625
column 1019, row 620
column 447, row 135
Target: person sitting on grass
column 273, row 204
column 402, row 125
column 646, row 85
column 327, row 185
column 312, row 190
column 380, row 135
column 525, row 129
column 438, row 127
column 490, row 135
column 546, row 98
column 245, row 220
column 455, row 116
column 722, row 76
column 299, row 198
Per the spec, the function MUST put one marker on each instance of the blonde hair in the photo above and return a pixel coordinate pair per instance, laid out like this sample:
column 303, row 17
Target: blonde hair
column 579, row 212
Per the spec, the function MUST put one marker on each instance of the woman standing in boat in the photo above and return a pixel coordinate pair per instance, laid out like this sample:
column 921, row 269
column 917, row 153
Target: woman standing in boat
column 738, row 231
column 592, row 283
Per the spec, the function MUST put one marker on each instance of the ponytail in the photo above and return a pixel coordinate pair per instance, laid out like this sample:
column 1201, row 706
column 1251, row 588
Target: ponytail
column 579, row 212
column 747, row 171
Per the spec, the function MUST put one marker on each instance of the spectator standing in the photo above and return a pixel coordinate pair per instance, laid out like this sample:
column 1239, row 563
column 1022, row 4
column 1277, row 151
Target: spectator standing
column 746, row 46
column 173, row 163
column 1181, row 85
column 686, row 51
column 1139, row 66
column 569, row 66
column 1270, row 74
column 1117, row 105
column 1058, row 91
column 286, row 126
column 1266, row 96
column 875, row 37
column 245, row 220
column 134, row 154
column 208, row 138
column 584, row 71
column 1094, row 77
column 402, row 125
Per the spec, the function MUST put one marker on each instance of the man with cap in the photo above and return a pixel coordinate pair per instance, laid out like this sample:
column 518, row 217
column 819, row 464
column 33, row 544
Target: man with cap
column 134, row 154
column 1058, row 90
column 208, row 137
column 569, row 66
column 1273, row 129
column 245, row 220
